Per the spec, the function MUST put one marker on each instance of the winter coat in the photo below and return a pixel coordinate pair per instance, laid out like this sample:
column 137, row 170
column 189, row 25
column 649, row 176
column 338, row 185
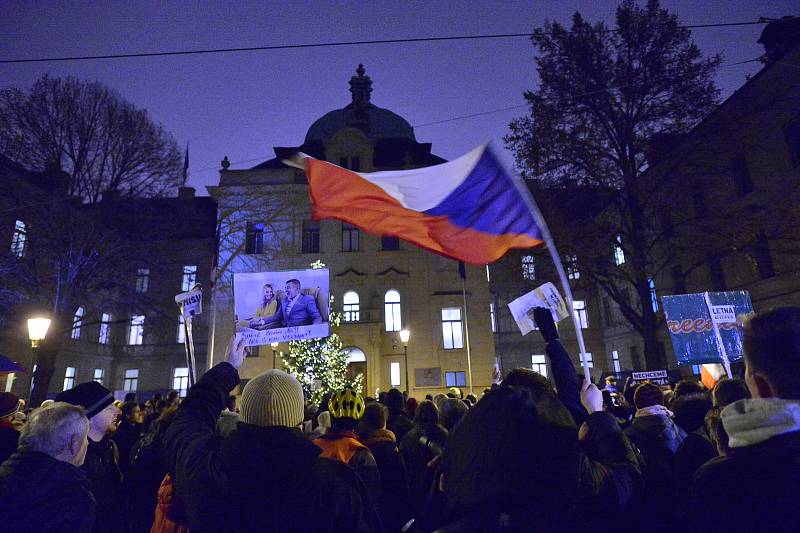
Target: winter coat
column 40, row 494
column 398, row 423
column 258, row 478
column 143, row 478
column 125, row 437
column 756, row 487
column 417, row 455
column 9, row 436
column 395, row 500
column 566, row 381
column 170, row 516
column 102, row 469
column 695, row 451
column 344, row 446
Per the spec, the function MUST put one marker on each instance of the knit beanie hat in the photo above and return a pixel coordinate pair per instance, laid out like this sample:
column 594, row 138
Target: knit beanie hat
column 9, row 404
column 648, row 395
column 273, row 398
column 91, row 396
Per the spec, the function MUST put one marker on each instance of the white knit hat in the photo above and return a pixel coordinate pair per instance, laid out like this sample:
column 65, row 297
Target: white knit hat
column 273, row 398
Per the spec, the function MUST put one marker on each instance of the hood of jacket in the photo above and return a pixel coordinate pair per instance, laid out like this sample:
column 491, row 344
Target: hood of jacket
column 658, row 428
column 376, row 437
column 753, row 421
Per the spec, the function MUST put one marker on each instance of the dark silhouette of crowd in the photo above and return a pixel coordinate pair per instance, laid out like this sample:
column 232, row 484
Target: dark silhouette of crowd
column 531, row 454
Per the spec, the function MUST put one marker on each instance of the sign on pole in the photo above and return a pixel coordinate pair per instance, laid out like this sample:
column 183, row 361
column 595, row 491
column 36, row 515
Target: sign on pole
column 191, row 305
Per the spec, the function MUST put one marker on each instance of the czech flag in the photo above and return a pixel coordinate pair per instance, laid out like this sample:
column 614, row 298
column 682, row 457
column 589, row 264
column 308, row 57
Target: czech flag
column 469, row 209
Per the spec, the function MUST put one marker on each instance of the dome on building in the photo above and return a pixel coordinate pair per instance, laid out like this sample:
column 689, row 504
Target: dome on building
column 375, row 122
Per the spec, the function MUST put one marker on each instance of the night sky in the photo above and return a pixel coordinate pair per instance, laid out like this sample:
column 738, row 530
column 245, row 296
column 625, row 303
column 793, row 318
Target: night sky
column 243, row 104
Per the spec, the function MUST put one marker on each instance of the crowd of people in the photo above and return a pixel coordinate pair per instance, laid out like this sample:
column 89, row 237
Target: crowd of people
column 530, row 454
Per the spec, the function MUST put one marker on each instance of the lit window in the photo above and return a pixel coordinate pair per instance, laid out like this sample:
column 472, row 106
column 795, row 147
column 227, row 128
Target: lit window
column 77, row 322
column 615, row 360
column 451, row 328
column 697, row 370
column 181, row 331
column 19, row 238
column 588, row 358
column 455, row 379
column 189, row 277
column 180, row 381
column 539, row 364
column 528, row 268
column 131, row 380
column 391, row 310
column 69, row 378
column 105, row 328
column 137, row 330
column 572, row 267
column 653, row 297
column 579, row 308
column 142, row 279
column 492, row 317
column 349, row 237
column 98, row 375
column 351, row 307
column 619, row 255
column 394, row 374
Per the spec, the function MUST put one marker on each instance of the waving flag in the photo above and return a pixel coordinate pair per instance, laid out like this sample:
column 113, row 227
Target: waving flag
column 468, row 209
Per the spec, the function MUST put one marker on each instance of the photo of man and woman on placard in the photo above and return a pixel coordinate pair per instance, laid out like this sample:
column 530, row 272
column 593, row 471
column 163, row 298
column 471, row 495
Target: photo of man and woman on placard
column 281, row 306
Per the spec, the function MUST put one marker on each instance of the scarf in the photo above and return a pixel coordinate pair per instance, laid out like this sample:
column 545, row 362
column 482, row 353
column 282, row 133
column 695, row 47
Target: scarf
column 654, row 410
column 753, row 421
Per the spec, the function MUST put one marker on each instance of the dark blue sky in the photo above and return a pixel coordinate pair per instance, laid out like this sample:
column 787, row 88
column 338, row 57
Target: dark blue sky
column 241, row 105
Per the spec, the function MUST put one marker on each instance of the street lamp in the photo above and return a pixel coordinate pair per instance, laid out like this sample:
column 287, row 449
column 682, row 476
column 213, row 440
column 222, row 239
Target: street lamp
column 404, row 336
column 274, row 347
column 37, row 330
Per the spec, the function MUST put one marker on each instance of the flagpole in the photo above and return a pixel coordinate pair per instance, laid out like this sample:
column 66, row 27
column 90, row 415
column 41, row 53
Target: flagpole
column 551, row 247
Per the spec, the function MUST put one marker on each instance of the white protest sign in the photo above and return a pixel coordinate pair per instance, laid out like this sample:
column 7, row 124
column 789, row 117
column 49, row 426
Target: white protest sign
column 723, row 314
column 545, row 296
column 655, row 374
column 191, row 302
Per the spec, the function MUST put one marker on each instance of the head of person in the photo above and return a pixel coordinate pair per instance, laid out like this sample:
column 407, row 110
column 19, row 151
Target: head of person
column 690, row 410
column 173, row 397
column 772, row 354
column 629, row 393
column 454, row 392
column 451, row 411
column 504, row 454
column 267, row 294
column 726, row 391
column 273, row 398
column 98, row 402
column 131, row 412
column 611, row 380
column 346, row 407
column 648, row 395
column 9, row 405
column 382, row 397
column 292, row 288
column 373, row 420
column 686, row 387
column 59, row 430
column 411, row 407
column 394, row 401
column 533, row 381
column 130, row 397
column 437, row 400
column 427, row 414
column 716, row 431
column 472, row 398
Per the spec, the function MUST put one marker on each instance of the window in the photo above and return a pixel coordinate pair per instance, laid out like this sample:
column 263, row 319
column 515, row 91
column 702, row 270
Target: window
column 539, row 364
column 69, row 378
column 98, row 375
column 653, row 297
column 791, row 132
column 741, row 175
column 180, row 381
column 528, row 268
column 390, row 244
column 457, row 378
column 310, row 237
column 451, row 328
column 142, row 279
column 615, row 360
column 137, row 330
column 716, row 273
column 763, row 258
column 571, row 262
column 579, row 308
column 619, row 254
column 19, row 238
column 697, row 370
column 77, row 322
column 189, row 277
column 588, row 358
column 350, row 307
column 254, row 241
column 678, row 280
column 181, row 338
column 105, row 328
column 131, row 383
column 349, row 237
column 492, row 317
column 394, row 374
column 391, row 310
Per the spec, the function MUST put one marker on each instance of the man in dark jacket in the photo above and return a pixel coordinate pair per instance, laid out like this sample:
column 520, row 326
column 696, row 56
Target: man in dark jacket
column 265, row 476
column 102, row 458
column 128, row 433
column 9, row 405
column 398, row 422
column 755, row 488
column 42, row 490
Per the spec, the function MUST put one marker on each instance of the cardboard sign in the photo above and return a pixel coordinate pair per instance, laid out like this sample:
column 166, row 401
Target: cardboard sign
column 643, row 376
column 691, row 325
column 191, row 302
column 545, row 296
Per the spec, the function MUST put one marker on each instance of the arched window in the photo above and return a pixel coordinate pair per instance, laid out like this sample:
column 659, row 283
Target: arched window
column 350, row 307
column 77, row 322
column 19, row 238
column 355, row 355
column 391, row 306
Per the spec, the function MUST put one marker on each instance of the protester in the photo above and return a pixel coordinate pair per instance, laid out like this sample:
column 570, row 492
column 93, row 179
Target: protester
column 696, row 449
column 727, row 391
column 395, row 499
column 423, row 442
column 611, row 384
column 42, row 490
column 173, row 398
column 102, row 457
column 399, row 423
column 9, row 406
column 755, row 487
column 265, row 476
column 455, row 392
column 323, row 425
column 411, row 407
column 228, row 418
column 451, row 410
column 341, row 442
column 128, row 432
